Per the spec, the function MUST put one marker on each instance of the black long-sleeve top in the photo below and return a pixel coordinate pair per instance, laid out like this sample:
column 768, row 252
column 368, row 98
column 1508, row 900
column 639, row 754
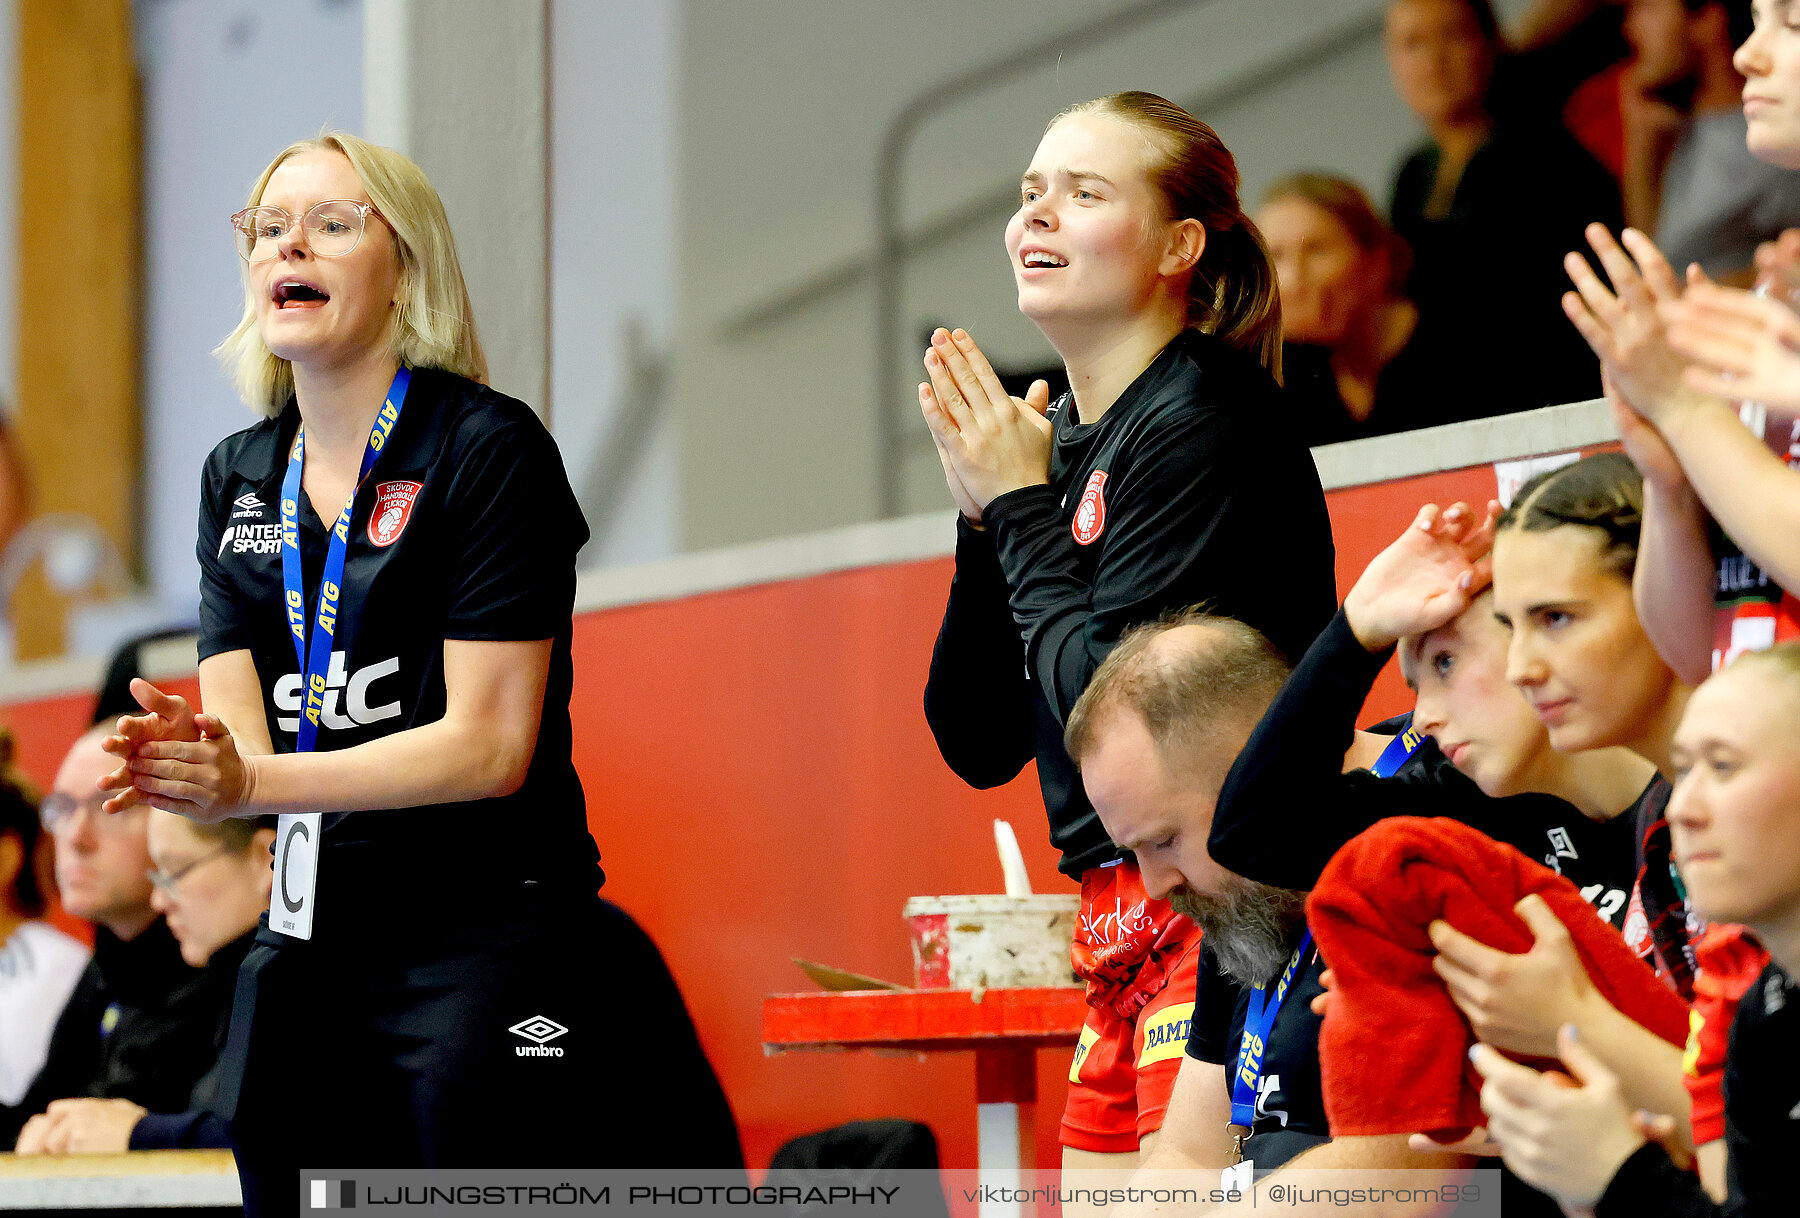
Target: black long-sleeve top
column 199, row 1125
column 141, row 1025
column 1762, row 1094
column 1287, row 806
column 1187, row 491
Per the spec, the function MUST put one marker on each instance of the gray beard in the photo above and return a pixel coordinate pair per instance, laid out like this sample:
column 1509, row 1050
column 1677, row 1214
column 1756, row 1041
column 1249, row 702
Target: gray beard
column 1249, row 926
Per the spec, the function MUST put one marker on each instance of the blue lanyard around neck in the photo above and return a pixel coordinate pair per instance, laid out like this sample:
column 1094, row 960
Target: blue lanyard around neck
column 1397, row 751
column 1259, row 1021
column 315, row 662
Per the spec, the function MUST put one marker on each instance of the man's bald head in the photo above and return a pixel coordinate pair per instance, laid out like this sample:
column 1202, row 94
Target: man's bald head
column 1198, row 682
column 1155, row 735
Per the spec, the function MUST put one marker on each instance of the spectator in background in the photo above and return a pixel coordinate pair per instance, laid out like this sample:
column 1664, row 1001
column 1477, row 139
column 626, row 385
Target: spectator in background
column 39, row 964
column 1688, row 175
column 1567, row 63
column 141, row 1024
column 1359, row 359
column 211, row 884
column 1486, row 192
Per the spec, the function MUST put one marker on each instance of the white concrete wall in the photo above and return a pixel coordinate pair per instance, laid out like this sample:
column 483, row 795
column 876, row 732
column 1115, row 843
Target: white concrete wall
column 780, row 120
column 612, row 267
column 227, row 84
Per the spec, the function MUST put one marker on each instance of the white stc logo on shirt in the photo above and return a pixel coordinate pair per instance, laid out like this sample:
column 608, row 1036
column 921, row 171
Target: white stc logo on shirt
column 354, row 691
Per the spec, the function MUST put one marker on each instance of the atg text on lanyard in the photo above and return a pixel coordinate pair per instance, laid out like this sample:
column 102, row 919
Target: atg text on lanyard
column 1259, row 1023
column 1259, row 1018
column 297, row 837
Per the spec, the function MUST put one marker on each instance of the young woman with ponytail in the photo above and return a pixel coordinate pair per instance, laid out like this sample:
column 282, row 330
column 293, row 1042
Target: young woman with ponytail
column 1163, row 479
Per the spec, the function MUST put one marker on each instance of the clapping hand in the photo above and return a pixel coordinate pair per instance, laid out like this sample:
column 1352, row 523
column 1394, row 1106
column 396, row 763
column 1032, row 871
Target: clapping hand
column 1741, row 345
column 175, row 759
column 1623, row 325
column 989, row 441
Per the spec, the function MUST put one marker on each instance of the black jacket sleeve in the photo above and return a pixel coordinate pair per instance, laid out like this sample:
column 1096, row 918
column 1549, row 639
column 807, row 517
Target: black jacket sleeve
column 1648, row 1185
column 195, row 1128
column 977, row 699
column 519, row 529
column 1287, row 806
column 1177, row 506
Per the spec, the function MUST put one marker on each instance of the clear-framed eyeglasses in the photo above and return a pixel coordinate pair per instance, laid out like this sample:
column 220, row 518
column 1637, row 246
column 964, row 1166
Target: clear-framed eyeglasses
column 331, row 228
column 167, row 880
column 57, row 813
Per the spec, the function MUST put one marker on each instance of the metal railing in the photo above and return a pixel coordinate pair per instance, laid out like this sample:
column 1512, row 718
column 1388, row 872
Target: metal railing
column 893, row 246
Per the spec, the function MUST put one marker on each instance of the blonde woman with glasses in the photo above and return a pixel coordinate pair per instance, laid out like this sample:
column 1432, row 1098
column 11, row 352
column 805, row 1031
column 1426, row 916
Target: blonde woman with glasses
column 388, row 574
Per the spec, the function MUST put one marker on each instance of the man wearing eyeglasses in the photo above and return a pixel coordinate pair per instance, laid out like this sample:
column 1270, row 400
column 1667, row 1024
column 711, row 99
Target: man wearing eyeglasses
column 141, row 1024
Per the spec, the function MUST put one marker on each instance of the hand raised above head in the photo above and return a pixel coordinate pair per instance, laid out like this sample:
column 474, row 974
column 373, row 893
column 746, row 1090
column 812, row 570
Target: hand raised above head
column 1427, row 576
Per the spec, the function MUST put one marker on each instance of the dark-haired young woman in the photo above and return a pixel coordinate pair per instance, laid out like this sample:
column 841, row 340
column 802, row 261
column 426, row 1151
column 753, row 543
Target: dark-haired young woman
column 1490, row 190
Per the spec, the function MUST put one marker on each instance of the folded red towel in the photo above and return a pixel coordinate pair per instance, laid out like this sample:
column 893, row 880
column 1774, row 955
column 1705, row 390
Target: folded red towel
column 1394, row 1048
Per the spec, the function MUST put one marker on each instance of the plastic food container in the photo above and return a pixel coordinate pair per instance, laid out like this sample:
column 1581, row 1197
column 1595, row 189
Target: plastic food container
column 992, row 941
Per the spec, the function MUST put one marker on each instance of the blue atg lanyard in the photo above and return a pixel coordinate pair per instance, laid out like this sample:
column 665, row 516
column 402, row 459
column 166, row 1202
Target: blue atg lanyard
column 1398, row 750
column 1259, row 1021
column 315, row 667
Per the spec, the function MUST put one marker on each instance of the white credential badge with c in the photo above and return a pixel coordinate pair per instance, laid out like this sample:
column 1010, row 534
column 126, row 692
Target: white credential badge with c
column 296, row 874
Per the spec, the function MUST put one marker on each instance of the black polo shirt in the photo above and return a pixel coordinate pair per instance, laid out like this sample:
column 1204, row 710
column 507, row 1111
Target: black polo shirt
column 464, row 529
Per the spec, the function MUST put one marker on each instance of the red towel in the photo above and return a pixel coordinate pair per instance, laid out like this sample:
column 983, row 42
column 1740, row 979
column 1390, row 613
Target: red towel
column 1394, row 1048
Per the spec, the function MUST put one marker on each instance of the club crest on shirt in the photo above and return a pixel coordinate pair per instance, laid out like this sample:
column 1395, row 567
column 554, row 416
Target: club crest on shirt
column 393, row 508
column 1090, row 513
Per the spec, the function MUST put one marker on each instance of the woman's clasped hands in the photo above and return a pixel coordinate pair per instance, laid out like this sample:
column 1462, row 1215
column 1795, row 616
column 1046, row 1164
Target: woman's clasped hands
column 175, row 759
column 989, row 441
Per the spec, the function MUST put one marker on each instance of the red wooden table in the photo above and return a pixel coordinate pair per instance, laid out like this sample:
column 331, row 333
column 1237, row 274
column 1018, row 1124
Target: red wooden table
column 1004, row 1029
